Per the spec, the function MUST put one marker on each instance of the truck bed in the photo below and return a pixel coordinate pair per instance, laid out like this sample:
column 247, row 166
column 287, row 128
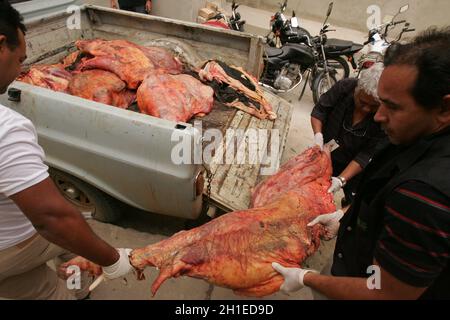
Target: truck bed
column 49, row 41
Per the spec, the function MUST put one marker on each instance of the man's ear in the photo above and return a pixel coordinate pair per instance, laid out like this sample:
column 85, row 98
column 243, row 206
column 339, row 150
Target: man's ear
column 444, row 115
column 2, row 42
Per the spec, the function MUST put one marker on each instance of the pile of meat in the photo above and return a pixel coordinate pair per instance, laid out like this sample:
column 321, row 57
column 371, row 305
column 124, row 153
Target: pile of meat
column 236, row 250
column 119, row 72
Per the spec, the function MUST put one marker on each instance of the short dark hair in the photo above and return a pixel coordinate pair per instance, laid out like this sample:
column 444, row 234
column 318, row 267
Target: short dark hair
column 429, row 52
column 10, row 21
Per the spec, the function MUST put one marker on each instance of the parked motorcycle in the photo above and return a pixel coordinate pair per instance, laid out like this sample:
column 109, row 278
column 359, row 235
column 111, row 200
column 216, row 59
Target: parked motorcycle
column 286, row 67
column 378, row 41
column 283, row 30
column 338, row 51
column 233, row 22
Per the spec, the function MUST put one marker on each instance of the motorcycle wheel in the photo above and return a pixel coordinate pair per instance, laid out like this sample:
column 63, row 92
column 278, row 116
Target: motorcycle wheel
column 321, row 85
column 341, row 67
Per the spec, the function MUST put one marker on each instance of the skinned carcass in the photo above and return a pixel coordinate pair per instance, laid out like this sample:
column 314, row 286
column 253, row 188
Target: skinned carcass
column 174, row 97
column 299, row 171
column 121, row 57
column 53, row 77
column 236, row 88
column 237, row 250
column 101, row 86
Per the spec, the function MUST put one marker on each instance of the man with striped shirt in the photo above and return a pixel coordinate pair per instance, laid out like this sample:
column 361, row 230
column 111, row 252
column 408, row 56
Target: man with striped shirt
column 394, row 241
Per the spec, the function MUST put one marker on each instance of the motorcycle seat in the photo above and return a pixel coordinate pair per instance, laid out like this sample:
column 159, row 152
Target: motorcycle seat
column 273, row 52
column 338, row 45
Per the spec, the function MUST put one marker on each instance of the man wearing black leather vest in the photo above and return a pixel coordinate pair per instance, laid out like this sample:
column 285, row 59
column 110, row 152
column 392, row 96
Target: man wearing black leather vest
column 394, row 241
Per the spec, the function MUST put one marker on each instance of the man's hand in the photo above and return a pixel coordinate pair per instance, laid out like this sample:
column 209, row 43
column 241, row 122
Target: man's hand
column 331, row 223
column 293, row 277
column 148, row 6
column 121, row 267
column 318, row 140
column 114, row 4
column 336, row 185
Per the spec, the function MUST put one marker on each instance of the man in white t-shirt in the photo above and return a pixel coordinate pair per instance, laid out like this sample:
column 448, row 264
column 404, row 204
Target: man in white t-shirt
column 36, row 223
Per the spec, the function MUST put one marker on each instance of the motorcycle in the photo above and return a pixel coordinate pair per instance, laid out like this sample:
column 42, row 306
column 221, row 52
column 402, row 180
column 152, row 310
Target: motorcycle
column 232, row 23
column 286, row 67
column 378, row 41
column 284, row 30
column 337, row 51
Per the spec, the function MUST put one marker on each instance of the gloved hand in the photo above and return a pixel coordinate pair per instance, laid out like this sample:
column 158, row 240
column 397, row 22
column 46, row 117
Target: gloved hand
column 331, row 223
column 336, row 185
column 293, row 277
column 121, row 267
column 318, row 140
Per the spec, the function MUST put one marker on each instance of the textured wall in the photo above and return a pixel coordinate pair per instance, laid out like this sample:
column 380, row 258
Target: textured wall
column 352, row 13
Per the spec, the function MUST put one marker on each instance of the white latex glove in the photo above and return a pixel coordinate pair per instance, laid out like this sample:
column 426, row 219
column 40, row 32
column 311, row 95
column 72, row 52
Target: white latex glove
column 293, row 277
column 336, row 185
column 121, row 267
column 331, row 223
column 318, row 140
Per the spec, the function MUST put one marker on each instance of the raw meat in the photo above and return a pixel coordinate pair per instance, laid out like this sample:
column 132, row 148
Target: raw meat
column 118, row 56
column 174, row 97
column 304, row 168
column 53, row 77
column 162, row 59
column 242, row 84
column 236, row 250
column 101, row 86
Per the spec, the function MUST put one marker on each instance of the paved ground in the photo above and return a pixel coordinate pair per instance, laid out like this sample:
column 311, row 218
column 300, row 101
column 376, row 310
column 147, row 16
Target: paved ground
column 140, row 229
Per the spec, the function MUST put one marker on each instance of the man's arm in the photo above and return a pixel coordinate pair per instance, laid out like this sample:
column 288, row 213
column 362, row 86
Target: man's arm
column 353, row 169
column 347, row 288
column 316, row 125
column 62, row 224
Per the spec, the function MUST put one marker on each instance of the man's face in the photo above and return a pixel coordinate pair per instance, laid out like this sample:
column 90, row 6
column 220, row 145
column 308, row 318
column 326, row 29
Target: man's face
column 403, row 120
column 365, row 102
column 11, row 60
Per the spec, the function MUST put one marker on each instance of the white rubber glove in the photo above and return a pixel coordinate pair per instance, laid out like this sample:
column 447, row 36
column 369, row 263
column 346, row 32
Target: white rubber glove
column 293, row 277
column 318, row 140
column 121, row 267
column 336, row 185
column 331, row 223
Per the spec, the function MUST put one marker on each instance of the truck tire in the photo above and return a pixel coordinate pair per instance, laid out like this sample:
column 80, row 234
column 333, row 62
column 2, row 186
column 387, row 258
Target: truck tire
column 89, row 200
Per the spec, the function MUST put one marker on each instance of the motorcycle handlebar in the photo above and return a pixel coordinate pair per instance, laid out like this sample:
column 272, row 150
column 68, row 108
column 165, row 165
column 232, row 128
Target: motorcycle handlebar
column 399, row 22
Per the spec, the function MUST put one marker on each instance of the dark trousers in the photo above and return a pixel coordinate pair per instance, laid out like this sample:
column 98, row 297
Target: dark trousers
column 138, row 9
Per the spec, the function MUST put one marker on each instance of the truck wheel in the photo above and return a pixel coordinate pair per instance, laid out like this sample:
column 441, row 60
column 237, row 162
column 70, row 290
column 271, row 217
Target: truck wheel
column 89, row 200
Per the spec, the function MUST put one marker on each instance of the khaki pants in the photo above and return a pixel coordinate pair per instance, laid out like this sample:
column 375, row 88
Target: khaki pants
column 24, row 273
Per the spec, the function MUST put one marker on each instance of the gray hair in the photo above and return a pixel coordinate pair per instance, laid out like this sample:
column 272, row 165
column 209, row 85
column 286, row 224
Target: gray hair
column 369, row 78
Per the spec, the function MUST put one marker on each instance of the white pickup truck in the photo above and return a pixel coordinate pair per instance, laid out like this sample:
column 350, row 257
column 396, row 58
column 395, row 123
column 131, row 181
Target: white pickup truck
column 99, row 154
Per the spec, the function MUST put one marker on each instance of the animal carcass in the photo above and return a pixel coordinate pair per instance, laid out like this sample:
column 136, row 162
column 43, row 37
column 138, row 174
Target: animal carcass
column 236, row 250
column 236, row 88
column 174, row 97
column 101, row 86
column 121, row 57
column 53, row 77
column 299, row 171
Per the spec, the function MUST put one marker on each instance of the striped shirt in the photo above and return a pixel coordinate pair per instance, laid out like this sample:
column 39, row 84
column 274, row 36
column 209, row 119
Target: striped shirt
column 414, row 244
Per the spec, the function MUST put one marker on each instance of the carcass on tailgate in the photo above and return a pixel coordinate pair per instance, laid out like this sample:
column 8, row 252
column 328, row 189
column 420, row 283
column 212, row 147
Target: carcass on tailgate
column 236, row 250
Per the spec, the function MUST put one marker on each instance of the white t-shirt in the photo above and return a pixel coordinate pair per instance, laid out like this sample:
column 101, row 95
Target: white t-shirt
column 21, row 166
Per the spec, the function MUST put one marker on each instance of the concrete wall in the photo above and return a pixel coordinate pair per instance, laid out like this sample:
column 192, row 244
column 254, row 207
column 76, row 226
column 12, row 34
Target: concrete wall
column 353, row 13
